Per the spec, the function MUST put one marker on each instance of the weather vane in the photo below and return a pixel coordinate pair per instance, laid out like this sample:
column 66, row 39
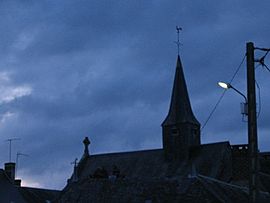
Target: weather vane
column 178, row 41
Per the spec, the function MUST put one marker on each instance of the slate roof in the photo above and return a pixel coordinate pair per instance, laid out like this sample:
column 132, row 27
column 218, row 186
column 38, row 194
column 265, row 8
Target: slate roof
column 264, row 181
column 197, row 189
column 146, row 169
column 208, row 159
column 37, row 195
column 180, row 108
column 12, row 193
column 8, row 192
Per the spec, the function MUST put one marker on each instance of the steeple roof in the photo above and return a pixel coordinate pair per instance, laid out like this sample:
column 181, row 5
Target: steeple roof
column 180, row 108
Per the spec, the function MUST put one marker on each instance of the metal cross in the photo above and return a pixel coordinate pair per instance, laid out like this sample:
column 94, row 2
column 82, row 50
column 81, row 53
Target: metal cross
column 74, row 162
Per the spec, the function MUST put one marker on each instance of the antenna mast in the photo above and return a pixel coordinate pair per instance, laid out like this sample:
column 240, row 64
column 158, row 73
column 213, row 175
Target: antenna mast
column 10, row 141
column 17, row 161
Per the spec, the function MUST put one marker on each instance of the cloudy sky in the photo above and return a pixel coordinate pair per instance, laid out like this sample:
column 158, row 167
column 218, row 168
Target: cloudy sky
column 104, row 69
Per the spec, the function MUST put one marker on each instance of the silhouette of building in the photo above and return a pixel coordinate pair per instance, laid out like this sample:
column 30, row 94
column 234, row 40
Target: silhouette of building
column 11, row 190
column 184, row 170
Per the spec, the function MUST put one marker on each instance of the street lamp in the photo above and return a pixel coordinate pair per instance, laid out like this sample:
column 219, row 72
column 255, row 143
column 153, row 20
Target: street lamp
column 229, row 86
column 244, row 106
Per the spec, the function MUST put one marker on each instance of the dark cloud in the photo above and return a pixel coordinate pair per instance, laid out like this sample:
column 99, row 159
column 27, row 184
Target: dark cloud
column 105, row 69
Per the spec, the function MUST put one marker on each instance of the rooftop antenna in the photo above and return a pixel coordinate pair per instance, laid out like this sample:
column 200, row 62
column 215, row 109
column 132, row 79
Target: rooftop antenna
column 178, row 41
column 17, row 161
column 10, row 141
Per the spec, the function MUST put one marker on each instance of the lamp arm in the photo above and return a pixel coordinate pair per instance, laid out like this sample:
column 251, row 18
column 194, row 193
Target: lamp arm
column 239, row 93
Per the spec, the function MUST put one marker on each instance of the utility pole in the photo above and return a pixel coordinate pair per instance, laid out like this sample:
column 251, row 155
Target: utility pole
column 252, row 125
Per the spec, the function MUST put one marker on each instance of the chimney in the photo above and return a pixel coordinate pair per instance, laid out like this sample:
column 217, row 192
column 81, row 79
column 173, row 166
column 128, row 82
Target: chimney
column 10, row 170
column 18, row 182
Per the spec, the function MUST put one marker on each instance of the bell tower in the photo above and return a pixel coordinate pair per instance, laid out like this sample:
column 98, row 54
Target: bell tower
column 180, row 129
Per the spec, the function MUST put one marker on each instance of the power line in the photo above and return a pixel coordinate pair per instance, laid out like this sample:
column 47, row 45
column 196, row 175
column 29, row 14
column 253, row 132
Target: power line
column 261, row 60
column 259, row 94
column 222, row 95
column 237, row 70
column 266, row 67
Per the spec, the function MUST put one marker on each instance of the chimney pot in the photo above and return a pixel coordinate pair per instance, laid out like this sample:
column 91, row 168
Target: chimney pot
column 18, row 182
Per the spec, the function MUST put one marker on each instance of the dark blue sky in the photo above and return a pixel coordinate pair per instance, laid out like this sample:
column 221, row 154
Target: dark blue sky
column 104, row 69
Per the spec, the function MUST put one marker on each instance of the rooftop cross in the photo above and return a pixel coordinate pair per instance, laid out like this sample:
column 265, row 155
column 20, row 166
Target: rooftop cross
column 178, row 41
column 74, row 163
column 86, row 142
column 75, row 172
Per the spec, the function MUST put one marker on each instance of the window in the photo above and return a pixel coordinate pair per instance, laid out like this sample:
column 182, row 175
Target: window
column 175, row 131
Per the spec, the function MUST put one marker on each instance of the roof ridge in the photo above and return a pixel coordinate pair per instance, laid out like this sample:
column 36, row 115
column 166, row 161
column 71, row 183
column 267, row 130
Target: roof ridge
column 127, row 152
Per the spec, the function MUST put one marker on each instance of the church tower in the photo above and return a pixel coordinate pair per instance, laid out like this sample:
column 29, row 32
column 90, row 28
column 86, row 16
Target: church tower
column 180, row 129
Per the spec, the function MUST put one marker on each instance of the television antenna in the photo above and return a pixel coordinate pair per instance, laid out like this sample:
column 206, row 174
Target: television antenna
column 17, row 160
column 10, row 142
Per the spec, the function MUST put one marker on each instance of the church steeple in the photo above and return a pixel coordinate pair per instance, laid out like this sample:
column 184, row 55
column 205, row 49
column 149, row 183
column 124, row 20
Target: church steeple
column 181, row 130
column 180, row 109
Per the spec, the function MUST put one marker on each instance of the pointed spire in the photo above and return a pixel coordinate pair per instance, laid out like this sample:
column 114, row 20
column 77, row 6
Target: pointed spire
column 180, row 108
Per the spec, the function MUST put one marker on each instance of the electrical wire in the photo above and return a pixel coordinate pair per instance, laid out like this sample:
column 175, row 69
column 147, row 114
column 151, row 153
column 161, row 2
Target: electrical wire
column 214, row 109
column 266, row 67
column 237, row 70
column 265, row 54
column 259, row 95
column 222, row 95
column 261, row 61
column 257, row 66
